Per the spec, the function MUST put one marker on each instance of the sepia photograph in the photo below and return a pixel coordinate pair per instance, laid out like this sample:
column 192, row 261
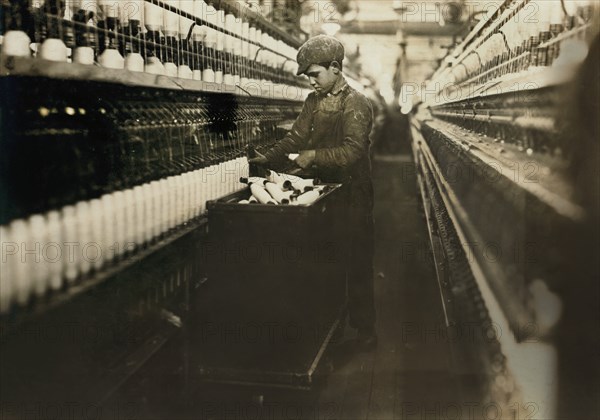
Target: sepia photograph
column 299, row 209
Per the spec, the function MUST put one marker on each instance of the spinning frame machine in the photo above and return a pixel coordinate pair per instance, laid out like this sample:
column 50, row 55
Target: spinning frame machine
column 507, row 172
column 119, row 121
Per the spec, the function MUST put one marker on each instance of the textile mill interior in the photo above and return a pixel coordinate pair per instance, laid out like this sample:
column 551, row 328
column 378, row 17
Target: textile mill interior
column 294, row 209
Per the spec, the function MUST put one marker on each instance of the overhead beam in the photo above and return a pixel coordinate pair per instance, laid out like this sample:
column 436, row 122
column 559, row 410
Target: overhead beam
column 390, row 27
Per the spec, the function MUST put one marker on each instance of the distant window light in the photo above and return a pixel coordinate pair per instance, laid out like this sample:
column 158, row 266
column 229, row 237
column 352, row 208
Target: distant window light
column 331, row 28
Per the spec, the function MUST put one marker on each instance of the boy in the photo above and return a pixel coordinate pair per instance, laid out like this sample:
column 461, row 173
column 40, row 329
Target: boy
column 331, row 135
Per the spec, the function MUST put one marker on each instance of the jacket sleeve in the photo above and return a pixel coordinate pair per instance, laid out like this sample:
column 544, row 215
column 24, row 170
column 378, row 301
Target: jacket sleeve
column 357, row 121
column 298, row 136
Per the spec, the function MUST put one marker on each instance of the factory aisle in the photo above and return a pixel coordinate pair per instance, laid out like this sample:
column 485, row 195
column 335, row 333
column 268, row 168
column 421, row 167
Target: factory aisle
column 407, row 376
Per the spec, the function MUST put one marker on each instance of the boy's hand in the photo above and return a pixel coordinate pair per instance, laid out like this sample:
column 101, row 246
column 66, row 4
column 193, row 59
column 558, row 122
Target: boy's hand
column 306, row 158
column 259, row 159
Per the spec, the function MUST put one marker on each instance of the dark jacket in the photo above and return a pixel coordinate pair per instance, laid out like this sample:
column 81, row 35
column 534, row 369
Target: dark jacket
column 337, row 126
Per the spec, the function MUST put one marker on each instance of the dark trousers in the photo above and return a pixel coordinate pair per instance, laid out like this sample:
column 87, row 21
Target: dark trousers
column 361, row 305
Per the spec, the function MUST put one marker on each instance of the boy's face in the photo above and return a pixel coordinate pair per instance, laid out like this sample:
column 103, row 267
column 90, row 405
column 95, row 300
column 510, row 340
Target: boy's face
column 321, row 78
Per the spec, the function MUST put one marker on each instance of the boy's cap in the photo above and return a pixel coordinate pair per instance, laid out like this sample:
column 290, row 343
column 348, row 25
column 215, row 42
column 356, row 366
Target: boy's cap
column 319, row 49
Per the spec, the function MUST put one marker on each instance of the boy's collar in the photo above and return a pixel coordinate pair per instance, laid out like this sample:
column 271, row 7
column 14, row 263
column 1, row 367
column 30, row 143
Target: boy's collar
column 339, row 86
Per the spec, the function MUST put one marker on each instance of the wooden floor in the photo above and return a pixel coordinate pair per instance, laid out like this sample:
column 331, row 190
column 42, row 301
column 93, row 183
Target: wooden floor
column 408, row 376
